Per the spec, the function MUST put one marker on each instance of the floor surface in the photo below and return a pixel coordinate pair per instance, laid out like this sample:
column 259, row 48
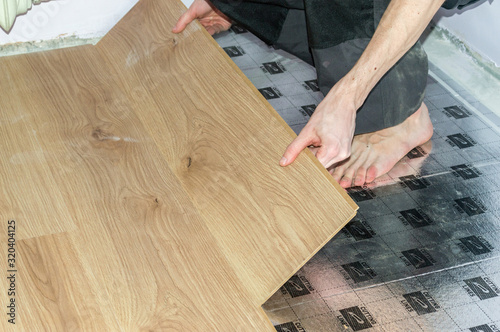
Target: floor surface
column 127, row 206
column 423, row 252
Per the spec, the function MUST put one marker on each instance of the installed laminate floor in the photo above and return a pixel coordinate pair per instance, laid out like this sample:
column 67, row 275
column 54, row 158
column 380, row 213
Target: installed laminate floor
column 142, row 178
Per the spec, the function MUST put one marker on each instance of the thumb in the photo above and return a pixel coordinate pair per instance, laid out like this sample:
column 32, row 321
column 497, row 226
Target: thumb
column 184, row 20
column 292, row 151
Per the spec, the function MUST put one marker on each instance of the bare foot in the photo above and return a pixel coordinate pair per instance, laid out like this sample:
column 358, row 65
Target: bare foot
column 375, row 154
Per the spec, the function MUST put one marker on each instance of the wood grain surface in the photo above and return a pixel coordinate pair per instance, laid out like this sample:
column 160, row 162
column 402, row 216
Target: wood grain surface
column 143, row 177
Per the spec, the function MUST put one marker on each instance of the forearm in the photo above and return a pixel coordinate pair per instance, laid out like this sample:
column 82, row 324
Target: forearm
column 400, row 27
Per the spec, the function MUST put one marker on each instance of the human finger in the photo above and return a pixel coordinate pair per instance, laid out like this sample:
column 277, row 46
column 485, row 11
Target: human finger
column 184, row 20
column 292, row 151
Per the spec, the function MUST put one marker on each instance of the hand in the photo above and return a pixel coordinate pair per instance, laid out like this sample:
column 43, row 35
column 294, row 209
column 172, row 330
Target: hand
column 211, row 18
column 330, row 129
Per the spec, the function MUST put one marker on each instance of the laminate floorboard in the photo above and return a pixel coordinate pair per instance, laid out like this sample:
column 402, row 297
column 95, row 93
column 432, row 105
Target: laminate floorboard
column 144, row 180
column 24, row 165
column 221, row 142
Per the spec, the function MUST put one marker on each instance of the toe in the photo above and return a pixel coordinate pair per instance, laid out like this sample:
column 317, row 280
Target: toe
column 371, row 174
column 338, row 172
column 360, row 177
column 337, row 175
column 346, row 180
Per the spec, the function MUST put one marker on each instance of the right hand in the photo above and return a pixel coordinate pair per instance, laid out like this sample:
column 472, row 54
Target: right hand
column 330, row 130
column 211, row 18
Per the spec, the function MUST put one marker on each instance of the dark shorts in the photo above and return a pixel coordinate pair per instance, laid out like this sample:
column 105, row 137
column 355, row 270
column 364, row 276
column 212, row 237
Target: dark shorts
column 331, row 35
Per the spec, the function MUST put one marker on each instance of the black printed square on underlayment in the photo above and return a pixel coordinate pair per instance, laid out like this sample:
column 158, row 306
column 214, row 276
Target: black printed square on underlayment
column 359, row 195
column 273, row 68
column 414, row 183
column 313, row 85
column 419, row 303
column 475, row 245
column 358, row 230
column 295, row 287
column 234, row 51
column 416, row 153
column 415, row 218
column 270, row 93
column 480, row 288
column 481, row 328
column 469, row 206
column 457, row 112
column 355, row 318
column 309, row 109
column 286, row 327
column 465, row 172
column 460, row 141
column 417, row 258
column 357, row 272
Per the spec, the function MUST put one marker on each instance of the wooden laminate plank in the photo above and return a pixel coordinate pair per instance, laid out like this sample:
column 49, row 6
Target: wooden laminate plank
column 223, row 140
column 24, row 165
column 65, row 299
column 150, row 256
column 164, row 187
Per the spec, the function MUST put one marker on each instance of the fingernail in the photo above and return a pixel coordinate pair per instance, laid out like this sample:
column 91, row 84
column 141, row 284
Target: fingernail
column 283, row 161
column 174, row 28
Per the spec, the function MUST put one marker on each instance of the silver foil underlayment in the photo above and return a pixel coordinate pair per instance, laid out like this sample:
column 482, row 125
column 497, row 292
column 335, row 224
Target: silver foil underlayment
column 423, row 253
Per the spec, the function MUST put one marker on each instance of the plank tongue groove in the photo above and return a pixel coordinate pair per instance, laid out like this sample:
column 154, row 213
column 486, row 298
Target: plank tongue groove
column 156, row 161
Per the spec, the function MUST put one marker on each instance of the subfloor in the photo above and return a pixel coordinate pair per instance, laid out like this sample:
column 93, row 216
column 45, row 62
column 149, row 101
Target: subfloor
column 423, row 252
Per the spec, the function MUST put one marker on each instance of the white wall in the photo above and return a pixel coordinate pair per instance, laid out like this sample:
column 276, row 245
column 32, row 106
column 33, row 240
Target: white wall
column 82, row 18
column 477, row 25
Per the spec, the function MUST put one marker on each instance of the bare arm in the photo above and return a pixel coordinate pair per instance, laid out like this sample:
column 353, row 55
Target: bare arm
column 399, row 29
column 331, row 128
